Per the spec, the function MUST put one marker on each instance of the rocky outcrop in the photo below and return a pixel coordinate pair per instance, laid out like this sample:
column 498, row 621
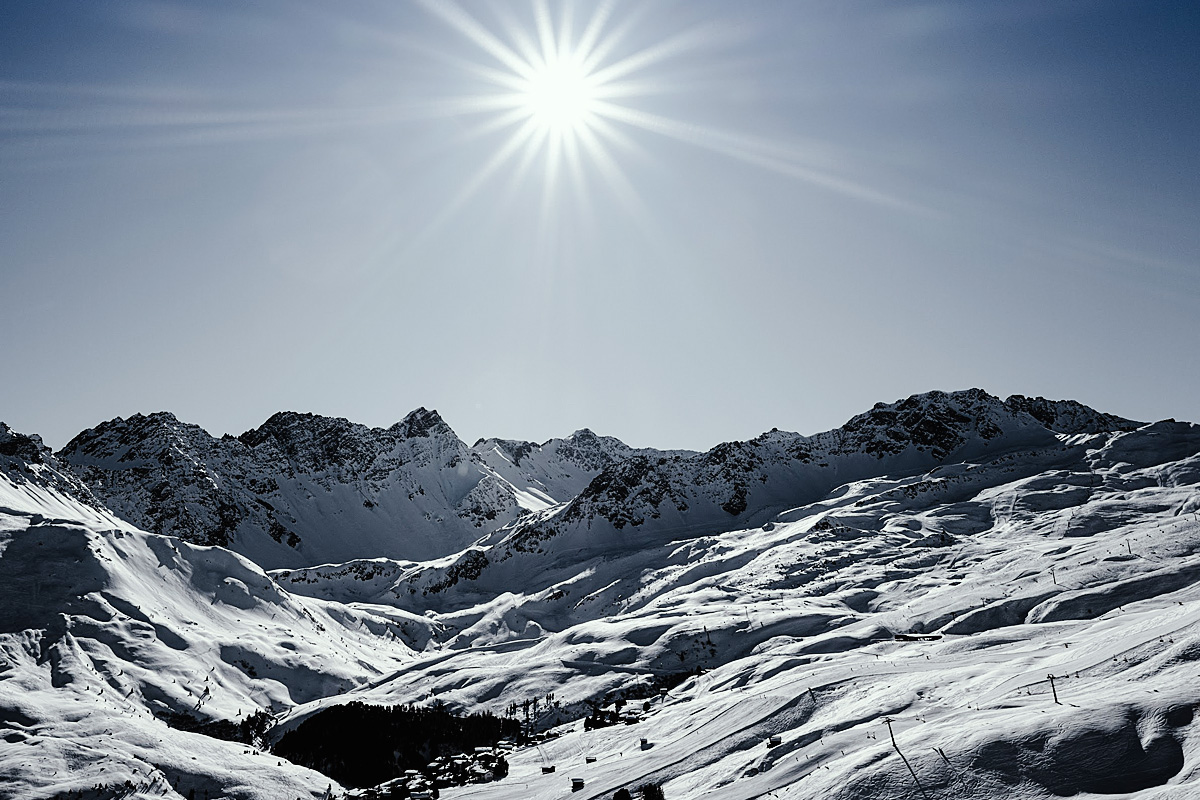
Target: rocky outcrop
column 1068, row 416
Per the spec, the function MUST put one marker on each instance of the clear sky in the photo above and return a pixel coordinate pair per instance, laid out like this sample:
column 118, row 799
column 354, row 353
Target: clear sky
column 677, row 223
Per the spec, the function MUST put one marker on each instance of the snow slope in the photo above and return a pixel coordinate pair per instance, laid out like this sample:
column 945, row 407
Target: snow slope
column 35, row 483
column 1076, row 557
column 1021, row 538
column 108, row 635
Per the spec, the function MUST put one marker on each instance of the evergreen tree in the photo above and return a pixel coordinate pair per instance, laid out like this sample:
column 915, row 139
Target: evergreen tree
column 652, row 791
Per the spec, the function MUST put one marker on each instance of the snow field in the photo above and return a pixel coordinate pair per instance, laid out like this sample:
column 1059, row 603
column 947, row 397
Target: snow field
column 1073, row 555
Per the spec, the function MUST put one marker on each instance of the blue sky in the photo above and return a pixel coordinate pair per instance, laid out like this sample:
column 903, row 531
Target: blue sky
column 794, row 210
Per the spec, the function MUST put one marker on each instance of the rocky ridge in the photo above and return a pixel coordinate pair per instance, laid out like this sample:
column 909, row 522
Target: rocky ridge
column 778, row 468
column 299, row 489
column 304, row 489
column 559, row 469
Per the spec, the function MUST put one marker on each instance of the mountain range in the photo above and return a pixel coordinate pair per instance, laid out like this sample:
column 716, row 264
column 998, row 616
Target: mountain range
column 916, row 573
column 304, row 489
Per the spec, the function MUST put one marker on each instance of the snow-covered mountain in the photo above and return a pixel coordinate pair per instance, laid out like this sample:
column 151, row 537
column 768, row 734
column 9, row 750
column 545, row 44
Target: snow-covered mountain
column 305, row 489
column 1018, row 555
column 115, row 643
column 763, row 584
column 645, row 500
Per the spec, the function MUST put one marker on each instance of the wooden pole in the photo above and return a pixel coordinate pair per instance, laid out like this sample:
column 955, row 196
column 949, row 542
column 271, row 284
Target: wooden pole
column 911, row 771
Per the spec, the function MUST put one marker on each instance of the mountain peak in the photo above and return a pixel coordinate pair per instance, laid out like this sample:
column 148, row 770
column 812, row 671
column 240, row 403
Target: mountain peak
column 513, row 449
column 312, row 441
column 282, row 426
column 162, row 417
column 422, row 423
column 24, row 459
column 936, row 421
column 140, row 421
column 924, row 415
column 140, row 437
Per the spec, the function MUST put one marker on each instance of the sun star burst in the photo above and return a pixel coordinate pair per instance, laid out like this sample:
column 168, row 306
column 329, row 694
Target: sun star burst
column 560, row 96
column 557, row 91
column 570, row 95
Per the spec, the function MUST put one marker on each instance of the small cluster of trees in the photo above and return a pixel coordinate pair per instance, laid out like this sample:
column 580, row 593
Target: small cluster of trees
column 599, row 718
column 649, row 791
column 251, row 730
column 539, row 713
column 530, row 707
column 363, row 745
column 603, row 717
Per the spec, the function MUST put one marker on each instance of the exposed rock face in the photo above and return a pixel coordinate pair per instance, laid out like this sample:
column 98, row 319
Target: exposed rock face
column 559, row 469
column 936, row 423
column 164, row 476
column 19, row 448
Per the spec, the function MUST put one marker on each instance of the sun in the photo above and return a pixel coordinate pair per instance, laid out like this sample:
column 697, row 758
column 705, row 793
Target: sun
column 560, row 96
column 576, row 93
column 567, row 89
column 557, row 87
